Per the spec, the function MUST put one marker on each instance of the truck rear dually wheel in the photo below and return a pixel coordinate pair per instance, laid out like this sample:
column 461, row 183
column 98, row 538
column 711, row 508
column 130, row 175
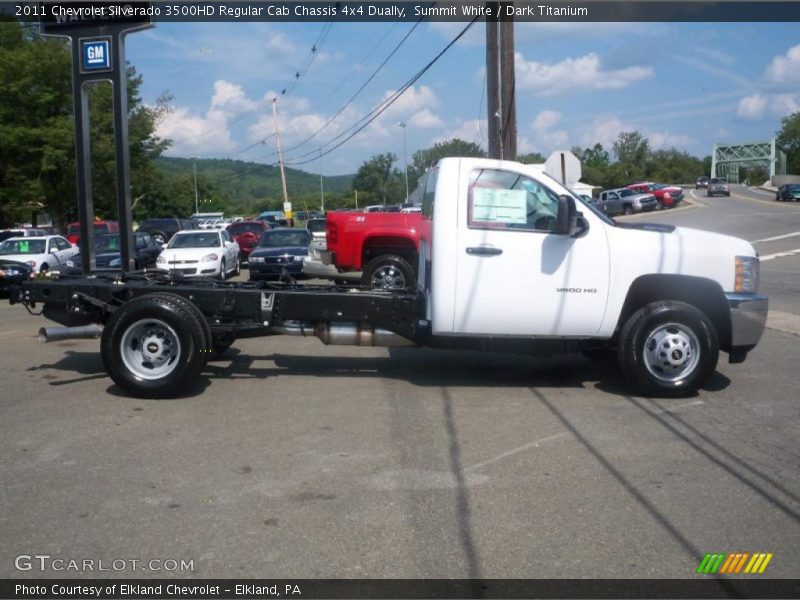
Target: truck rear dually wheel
column 668, row 348
column 155, row 346
column 389, row 272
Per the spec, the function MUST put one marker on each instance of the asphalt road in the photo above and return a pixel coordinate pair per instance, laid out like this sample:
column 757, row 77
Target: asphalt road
column 300, row 460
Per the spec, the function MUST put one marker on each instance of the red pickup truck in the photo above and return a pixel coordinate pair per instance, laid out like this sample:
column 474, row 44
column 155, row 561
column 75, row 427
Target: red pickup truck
column 667, row 196
column 382, row 245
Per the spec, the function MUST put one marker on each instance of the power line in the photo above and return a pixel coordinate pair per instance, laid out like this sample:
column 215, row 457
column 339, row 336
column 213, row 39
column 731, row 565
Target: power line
column 375, row 113
column 244, row 114
column 358, row 92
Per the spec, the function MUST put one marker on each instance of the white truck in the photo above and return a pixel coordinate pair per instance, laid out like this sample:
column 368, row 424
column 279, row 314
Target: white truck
column 509, row 260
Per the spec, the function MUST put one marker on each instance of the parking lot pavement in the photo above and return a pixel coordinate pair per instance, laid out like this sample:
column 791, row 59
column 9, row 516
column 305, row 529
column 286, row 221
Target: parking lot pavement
column 300, row 460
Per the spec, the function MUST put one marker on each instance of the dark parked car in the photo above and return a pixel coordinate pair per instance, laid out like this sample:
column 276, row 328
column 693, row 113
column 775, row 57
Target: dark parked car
column 13, row 272
column 247, row 234
column 279, row 250
column 718, row 185
column 701, row 182
column 108, row 255
column 162, row 230
column 788, row 191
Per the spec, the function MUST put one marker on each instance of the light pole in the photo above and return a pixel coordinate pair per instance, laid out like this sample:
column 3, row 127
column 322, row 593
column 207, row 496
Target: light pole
column 196, row 209
column 321, row 188
column 405, row 155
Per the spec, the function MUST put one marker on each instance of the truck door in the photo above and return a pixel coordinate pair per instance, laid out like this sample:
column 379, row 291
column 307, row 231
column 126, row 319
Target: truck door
column 514, row 276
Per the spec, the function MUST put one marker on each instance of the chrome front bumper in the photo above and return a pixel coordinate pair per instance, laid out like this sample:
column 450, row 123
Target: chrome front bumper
column 748, row 318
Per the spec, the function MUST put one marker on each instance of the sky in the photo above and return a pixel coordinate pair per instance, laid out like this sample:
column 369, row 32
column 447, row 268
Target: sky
column 683, row 85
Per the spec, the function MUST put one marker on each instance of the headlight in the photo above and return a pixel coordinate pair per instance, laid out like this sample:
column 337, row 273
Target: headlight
column 10, row 272
column 256, row 259
column 115, row 262
column 209, row 258
column 70, row 263
column 746, row 274
column 298, row 258
column 31, row 263
column 161, row 260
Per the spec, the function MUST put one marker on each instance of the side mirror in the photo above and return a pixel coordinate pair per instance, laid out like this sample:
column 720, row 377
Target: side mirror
column 568, row 220
column 565, row 218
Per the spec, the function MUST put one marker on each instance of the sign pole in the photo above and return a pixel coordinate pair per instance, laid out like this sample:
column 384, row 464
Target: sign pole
column 98, row 54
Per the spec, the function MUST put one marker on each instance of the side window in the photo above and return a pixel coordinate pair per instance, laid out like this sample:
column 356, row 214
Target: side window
column 506, row 200
column 430, row 192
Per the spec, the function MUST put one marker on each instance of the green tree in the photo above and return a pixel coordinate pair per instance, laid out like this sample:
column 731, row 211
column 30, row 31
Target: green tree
column 532, row 158
column 378, row 182
column 37, row 156
column 788, row 136
column 632, row 150
column 422, row 160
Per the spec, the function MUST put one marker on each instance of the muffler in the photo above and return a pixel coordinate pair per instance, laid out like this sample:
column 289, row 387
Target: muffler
column 57, row 334
column 345, row 334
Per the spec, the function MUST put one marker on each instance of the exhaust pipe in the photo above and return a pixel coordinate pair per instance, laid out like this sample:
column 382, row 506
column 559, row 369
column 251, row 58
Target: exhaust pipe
column 345, row 334
column 57, row 334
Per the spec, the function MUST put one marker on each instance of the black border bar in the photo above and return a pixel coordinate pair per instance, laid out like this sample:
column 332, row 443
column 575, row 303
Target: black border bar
column 443, row 10
column 390, row 589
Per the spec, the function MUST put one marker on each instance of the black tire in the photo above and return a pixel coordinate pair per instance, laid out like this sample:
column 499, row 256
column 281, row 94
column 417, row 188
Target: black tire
column 389, row 272
column 174, row 331
column 627, row 210
column 688, row 355
column 238, row 270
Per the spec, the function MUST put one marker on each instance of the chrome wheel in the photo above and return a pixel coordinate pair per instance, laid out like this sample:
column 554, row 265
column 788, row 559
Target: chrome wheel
column 671, row 352
column 388, row 277
column 150, row 349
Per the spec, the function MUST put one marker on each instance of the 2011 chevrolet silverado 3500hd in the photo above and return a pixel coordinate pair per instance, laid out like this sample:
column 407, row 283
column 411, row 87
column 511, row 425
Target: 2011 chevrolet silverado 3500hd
column 509, row 260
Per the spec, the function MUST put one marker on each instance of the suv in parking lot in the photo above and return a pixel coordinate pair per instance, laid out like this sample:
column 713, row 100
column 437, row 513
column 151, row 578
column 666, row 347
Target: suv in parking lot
column 718, row 185
column 162, row 230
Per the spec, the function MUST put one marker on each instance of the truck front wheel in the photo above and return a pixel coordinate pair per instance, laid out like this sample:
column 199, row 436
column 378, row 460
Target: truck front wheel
column 389, row 272
column 154, row 346
column 668, row 348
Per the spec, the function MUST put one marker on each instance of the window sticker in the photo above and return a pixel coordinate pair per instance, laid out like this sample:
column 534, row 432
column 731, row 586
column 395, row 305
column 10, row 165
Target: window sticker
column 499, row 206
column 24, row 247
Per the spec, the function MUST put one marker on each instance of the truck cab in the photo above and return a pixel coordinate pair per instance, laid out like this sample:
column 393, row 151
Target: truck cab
column 506, row 250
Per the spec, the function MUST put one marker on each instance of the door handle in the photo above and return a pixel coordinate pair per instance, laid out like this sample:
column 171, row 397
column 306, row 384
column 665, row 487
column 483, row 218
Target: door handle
column 483, row 251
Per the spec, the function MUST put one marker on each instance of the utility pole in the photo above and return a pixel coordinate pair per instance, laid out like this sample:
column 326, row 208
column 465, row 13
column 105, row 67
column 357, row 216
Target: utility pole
column 321, row 188
column 500, row 82
column 508, row 126
column 280, row 152
column 196, row 209
column 493, row 80
column 405, row 155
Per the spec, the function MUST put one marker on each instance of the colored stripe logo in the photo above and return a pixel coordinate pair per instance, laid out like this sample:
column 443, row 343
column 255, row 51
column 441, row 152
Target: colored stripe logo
column 734, row 563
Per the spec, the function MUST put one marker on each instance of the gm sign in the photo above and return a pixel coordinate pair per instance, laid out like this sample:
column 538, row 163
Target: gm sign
column 95, row 55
